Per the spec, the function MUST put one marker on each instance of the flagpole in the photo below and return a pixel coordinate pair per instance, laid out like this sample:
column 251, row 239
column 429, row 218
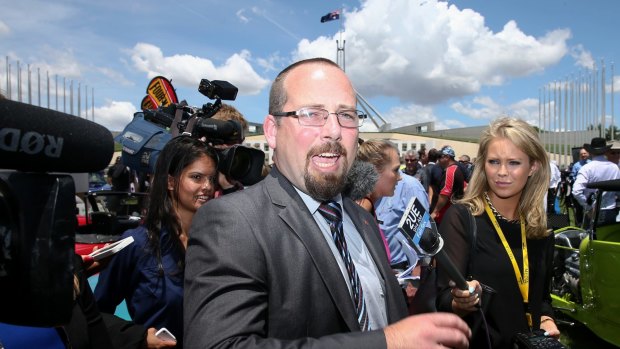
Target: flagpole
column 613, row 133
column 603, row 106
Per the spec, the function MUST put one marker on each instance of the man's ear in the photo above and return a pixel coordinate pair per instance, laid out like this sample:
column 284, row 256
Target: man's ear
column 270, row 128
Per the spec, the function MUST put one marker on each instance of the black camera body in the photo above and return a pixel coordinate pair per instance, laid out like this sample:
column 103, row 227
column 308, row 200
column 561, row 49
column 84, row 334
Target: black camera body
column 37, row 231
column 38, row 208
column 218, row 89
column 146, row 135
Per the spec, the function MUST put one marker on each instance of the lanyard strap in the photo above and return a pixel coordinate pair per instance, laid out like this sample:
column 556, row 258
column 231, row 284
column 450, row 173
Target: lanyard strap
column 523, row 281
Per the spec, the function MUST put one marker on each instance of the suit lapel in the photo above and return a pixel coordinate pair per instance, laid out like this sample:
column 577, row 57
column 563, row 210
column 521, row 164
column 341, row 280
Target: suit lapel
column 296, row 215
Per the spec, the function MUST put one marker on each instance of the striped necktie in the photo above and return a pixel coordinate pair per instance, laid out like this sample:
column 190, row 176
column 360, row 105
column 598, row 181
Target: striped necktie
column 331, row 211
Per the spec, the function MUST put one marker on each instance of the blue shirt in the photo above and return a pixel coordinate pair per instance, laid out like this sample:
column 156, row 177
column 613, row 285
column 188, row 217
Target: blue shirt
column 577, row 166
column 391, row 209
column 154, row 297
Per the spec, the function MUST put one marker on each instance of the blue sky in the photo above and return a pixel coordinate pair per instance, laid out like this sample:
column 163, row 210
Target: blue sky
column 457, row 63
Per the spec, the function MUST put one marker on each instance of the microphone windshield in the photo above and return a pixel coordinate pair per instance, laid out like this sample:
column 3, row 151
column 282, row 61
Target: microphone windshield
column 361, row 180
column 430, row 241
column 44, row 140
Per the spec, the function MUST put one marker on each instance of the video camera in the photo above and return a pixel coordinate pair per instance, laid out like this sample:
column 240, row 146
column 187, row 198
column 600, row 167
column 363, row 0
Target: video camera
column 38, row 208
column 146, row 135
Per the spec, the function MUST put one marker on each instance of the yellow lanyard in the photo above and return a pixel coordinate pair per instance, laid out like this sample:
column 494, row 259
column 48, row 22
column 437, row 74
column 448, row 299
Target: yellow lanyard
column 523, row 281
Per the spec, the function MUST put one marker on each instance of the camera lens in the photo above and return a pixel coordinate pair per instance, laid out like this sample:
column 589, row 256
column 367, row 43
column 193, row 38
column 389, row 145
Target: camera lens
column 241, row 162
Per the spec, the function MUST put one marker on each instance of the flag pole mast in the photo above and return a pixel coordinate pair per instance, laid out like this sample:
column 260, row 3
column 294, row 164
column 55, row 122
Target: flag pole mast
column 340, row 52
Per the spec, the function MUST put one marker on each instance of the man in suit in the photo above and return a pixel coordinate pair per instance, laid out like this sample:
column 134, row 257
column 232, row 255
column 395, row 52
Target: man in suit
column 265, row 268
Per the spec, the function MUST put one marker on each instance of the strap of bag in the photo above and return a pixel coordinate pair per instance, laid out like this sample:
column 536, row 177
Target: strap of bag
column 472, row 244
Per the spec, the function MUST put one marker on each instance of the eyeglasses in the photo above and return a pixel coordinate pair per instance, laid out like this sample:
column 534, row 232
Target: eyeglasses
column 318, row 117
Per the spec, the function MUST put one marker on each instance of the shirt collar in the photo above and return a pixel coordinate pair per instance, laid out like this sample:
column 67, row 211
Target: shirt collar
column 313, row 204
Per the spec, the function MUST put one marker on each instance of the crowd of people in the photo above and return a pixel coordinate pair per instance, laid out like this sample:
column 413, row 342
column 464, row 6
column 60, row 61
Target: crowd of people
column 295, row 262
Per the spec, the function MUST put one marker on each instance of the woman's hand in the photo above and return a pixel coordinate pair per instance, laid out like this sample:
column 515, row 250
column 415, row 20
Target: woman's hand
column 465, row 301
column 548, row 325
column 152, row 342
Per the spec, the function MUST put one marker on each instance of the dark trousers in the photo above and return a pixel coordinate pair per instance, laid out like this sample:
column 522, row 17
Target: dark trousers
column 551, row 200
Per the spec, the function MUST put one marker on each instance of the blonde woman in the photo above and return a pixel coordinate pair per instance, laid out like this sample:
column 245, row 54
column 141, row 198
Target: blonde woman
column 513, row 250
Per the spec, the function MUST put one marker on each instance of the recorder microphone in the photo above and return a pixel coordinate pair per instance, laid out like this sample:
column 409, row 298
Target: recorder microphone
column 36, row 139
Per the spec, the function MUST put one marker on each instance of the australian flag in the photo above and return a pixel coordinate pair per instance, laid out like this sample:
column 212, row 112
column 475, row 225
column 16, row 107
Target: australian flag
column 331, row 16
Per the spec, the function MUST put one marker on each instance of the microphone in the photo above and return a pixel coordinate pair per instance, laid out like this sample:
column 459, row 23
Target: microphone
column 444, row 260
column 36, row 139
column 417, row 226
column 361, row 180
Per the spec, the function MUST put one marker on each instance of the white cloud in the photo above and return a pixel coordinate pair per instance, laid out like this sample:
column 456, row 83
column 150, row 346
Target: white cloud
column 485, row 108
column 115, row 115
column 241, row 16
column 433, row 53
column 273, row 62
column 616, row 83
column 185, row 70
column 115, row 76
column 408, row 115
column 583, row 58
column 61, row 62
column 4, row 29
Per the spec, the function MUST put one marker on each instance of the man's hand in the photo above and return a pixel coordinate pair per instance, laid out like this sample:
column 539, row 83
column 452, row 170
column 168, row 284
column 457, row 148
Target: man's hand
column 431, row 330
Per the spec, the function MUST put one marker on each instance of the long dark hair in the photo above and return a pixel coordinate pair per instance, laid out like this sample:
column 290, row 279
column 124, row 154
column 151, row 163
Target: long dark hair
column 178, row 153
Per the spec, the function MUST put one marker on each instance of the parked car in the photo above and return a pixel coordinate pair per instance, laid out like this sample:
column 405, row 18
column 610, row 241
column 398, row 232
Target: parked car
column 586, row 272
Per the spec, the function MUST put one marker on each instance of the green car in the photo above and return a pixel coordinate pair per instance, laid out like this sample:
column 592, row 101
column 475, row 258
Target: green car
column 586, row 281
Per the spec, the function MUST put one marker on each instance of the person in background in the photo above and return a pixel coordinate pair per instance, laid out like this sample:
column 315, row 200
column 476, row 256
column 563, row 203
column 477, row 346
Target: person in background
column 412, row 165
column 390, row 206
column 614, row 153
column 512, row 244
column 434, row 174
column 383, row 155
column 119, row 175
column 148, row 274
column 289, row 262
column 556, row 177
column 228, row 112
column 584, row 158
column 599, row 169
column 423, row 175
column 452, row 184
column 423, row 157
column 467, row 166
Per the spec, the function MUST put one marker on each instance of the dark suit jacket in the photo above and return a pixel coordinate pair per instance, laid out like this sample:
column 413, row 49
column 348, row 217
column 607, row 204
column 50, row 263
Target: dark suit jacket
column 259, row 274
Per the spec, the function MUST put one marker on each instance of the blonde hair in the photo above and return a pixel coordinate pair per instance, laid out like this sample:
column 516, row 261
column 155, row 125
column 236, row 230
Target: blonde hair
column 375, row 151
column 531, row 205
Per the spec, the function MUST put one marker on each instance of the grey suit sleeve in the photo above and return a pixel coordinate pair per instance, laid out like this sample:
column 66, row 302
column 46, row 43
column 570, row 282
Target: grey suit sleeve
column 227, row 284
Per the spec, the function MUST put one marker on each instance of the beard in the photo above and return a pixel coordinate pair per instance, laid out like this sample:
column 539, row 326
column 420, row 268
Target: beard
column 325, row 187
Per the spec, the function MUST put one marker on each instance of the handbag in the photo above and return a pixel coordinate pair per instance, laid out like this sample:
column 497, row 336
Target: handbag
column 535, row 340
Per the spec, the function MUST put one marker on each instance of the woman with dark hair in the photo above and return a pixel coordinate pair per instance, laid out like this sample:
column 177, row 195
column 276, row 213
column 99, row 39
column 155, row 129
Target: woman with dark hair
column 148, row 274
